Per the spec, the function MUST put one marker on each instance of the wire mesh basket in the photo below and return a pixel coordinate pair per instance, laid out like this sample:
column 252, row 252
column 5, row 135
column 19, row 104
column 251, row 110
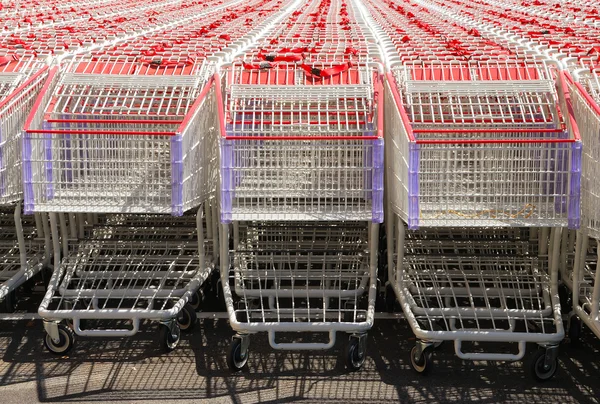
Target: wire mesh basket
column 302, row 142
column 113, row 134
column 481, row 144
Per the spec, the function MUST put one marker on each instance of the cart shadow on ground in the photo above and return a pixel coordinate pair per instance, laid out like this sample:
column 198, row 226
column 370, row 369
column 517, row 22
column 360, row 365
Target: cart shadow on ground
column 133, row 369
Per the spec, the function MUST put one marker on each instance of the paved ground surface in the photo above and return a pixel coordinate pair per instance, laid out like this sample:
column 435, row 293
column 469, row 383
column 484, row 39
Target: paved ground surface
column 131, row 370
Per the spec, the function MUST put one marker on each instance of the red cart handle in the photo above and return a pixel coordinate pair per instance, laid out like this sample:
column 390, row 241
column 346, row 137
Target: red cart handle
column 167, row 63
column 291, row 58
column 317, row 73
column 4, row 60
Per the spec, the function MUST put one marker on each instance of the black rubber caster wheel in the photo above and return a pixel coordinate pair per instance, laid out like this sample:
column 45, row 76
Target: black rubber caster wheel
column 423, row 363
column 168, row 339
column 196, row 300
column 65, row 342
column 235, row 359
column 539, row 369
column 186, row 318
column 355, row 359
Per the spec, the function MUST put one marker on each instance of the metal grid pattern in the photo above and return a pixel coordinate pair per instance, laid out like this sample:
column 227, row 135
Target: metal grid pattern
column 123, row 270
column 473, row 174
column 463, row 289
column 292, row 148
column 120, row 136
column 295, row 273
column 587, row 113
column 21, row 80
column 477, row 96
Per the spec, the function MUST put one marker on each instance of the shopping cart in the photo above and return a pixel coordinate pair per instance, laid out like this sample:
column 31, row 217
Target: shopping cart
column 489, row 144
column 112, row 281
column 301, row 145
column 22, row 245
column 114, row 134
column 460, row 119
column 111, row 135
column 583, row 278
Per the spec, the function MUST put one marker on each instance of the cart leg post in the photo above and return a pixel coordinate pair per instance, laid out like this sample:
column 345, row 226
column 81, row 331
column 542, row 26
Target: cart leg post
column 51, row 328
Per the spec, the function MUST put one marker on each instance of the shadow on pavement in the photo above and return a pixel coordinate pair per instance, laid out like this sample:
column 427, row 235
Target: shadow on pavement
column 132, row 369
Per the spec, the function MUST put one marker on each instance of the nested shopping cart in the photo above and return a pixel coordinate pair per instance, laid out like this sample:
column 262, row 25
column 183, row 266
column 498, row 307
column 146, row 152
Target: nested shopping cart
column 118, row 136
column 583, row 278
column 22, row 245
column 486, row 145
column 302, row 182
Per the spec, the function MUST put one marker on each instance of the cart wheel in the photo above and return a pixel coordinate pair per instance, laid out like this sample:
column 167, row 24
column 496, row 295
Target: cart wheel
column 355, row 359
column 236, row 360
column 8, row 304
column 540, row 371
column 187, row 319
column 575, row 331
column 65, row 342
column 422, row 364
column 169, row 339
column 197, row 299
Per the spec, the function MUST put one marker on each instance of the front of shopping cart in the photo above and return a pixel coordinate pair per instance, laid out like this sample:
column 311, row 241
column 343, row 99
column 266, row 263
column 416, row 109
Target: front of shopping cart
column 480, row 144
column 302, row 182
column 114, row 135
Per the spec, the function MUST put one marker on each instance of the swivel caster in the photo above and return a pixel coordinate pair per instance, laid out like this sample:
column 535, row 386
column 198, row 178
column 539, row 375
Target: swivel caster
column 59, row 338
column 421, row 357
column 169, row 336
column 544, row 364
column 237, row 357
column 186, row 318
column 356, row 352
column 197, row 299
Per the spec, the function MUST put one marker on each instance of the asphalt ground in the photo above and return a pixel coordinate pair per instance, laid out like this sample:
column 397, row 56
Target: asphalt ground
column 132, row 370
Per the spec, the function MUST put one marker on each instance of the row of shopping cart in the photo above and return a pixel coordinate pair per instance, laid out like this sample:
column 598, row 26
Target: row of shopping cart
column 132, row 265
column 252, row 140
column 567, row 38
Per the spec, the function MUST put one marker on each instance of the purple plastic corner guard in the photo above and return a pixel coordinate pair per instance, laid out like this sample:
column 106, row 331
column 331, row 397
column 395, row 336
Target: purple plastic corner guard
column 226, row 180
column 378, row 169
column 29, row 200
column 574, row 213
column 413, row 186
column 176, row 175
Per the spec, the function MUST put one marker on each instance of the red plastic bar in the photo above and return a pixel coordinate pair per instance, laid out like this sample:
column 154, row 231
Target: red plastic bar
column 400, row 106
column 38, row 101
column 220, row 106
column 487, row 130
column 98, row 132
column 119, row 121
column 571, row 117
column 20, row 89
column 592, row 103
column 195, row 105
column 380, row 105
column 302, row 137
column 494, row 141
column 300, row 123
